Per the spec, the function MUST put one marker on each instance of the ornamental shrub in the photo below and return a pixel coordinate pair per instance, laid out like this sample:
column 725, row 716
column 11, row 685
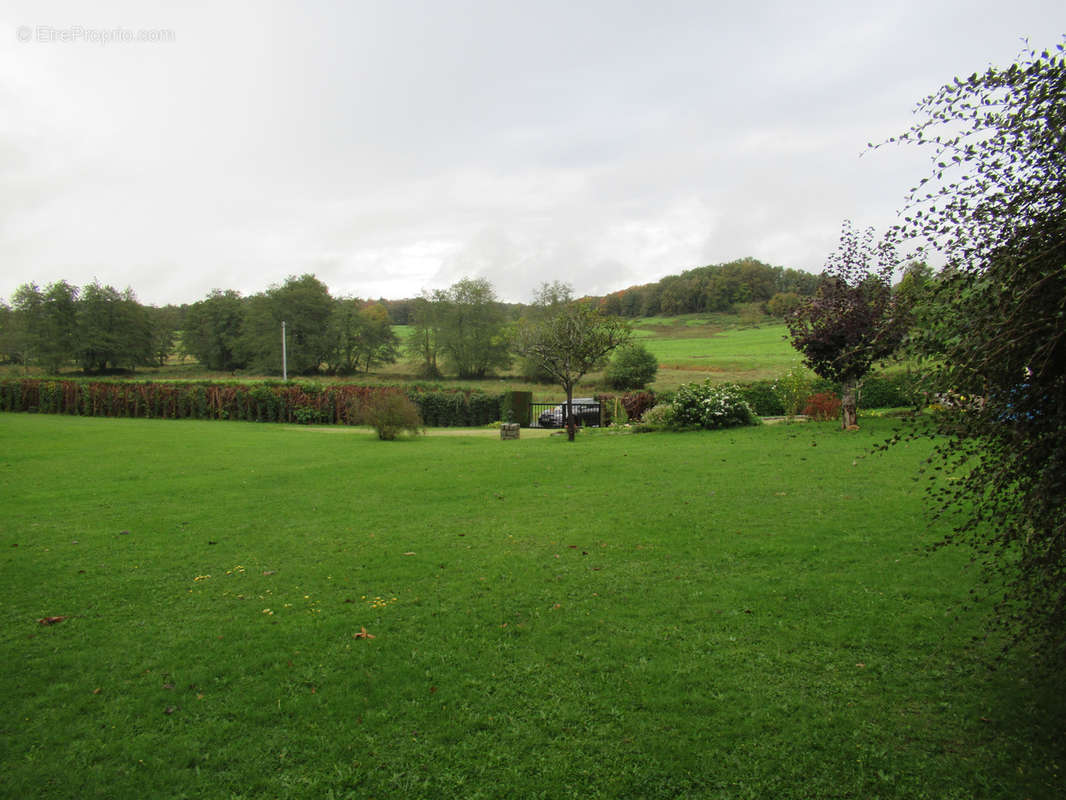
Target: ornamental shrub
column 633, row 367
column 705, row 405
column 656, row 418
column 822, row 407
column 390, row 413
column 636, row 403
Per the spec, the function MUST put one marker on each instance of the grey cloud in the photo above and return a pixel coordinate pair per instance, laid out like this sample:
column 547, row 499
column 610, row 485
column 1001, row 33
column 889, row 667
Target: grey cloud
column 391, row 147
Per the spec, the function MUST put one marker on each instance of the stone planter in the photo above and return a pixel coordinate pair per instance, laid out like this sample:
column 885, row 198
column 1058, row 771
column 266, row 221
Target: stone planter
column 509, row 430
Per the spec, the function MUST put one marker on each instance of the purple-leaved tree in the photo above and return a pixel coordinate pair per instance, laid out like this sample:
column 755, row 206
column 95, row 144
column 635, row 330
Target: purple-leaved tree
column 851, row 322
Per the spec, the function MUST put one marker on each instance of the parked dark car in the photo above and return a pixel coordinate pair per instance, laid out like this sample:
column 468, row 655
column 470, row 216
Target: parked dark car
column 586, row 412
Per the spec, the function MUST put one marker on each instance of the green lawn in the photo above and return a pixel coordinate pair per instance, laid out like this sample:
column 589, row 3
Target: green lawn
column 724, row 614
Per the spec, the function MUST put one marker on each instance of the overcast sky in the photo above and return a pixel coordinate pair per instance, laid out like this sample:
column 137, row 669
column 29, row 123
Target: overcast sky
column 392, row 146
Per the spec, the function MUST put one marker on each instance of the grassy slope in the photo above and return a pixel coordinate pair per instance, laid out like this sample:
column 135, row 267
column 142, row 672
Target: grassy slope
column 705, row 615
column 737, row 354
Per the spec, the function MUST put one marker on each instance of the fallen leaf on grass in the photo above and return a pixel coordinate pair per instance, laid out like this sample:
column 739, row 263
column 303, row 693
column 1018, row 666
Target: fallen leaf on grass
column 97, row 690
column 170, row 709
column 362, row 634
column 409, row 554
column 50, row 620
column 860, row 665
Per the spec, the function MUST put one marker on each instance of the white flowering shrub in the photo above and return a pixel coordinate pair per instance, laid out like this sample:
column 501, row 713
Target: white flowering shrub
column 704, row 405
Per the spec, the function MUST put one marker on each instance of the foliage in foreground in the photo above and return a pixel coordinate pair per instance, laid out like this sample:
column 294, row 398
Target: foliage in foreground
column 996, row 208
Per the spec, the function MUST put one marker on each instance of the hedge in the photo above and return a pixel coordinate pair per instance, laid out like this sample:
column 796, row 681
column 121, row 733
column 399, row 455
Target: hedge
column 304, row 403
column 878, row 390
column 307, row 403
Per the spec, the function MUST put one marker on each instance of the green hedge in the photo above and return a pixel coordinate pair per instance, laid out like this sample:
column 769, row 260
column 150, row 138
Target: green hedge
column 308, row 403
column 762, row 399
column 878, row 390
column 305, row 403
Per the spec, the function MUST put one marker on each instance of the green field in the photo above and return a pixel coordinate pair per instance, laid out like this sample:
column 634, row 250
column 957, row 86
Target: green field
column 746, row 613
column 689, row 348
column 741, row 354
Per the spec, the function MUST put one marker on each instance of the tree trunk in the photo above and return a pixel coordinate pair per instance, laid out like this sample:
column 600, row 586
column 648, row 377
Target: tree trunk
column 569, row 410
column 849, row 414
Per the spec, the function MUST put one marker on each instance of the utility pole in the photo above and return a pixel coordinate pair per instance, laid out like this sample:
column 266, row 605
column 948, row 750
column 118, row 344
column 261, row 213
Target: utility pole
column 284, row 357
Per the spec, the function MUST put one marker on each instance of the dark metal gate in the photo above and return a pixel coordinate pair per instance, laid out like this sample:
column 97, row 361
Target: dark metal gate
column 553, row 415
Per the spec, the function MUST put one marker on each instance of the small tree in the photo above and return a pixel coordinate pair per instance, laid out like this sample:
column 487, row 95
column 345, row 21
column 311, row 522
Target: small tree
column 548, row 298
column 568, row 343
column 849, row 323
column 632, row 367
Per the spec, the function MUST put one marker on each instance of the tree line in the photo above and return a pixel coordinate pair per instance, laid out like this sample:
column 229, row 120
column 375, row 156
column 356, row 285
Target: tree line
column 463, row 330
column 102, row 330
column 98, row 328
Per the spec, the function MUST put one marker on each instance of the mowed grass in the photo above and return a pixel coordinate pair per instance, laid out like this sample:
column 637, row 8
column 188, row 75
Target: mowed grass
column 726, row 614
